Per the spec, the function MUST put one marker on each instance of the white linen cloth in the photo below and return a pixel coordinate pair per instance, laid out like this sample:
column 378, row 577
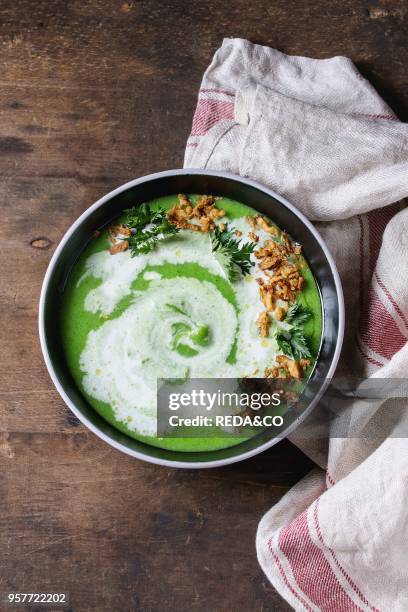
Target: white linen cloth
column 318, row 133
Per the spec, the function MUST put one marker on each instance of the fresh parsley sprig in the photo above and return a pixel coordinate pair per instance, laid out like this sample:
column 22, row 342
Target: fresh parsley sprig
column 233, row 255
column 146, row 240
column 292, row 342
column 150, row 227
column 138, row 217
column 297, row 314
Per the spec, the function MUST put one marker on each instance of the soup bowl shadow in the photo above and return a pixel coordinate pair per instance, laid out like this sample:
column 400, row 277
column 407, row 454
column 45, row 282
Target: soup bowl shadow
column 154, row 186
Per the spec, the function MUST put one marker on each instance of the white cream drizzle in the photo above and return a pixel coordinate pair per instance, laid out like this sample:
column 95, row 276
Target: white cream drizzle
column 124, row 357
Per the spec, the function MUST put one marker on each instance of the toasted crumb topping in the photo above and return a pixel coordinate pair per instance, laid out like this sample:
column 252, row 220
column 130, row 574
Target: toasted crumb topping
column 183, row 199
column 206, row 224
column 119, row 247
column 290, row 365
column 273, row 249
column 266, row 293
column 268, row 262
column 279, row 313
column 199, row 218
column 283, row 282
column 251, row 222
column 274, row 372
column 118, row 230
column 263, row 323
column 265, row 226
column 287, row 368
column 254, row 237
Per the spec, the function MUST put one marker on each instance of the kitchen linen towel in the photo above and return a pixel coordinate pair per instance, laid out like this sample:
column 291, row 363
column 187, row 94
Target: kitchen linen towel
column 318, row 133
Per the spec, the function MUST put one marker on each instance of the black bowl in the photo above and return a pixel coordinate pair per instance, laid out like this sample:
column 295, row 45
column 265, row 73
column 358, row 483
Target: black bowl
column 190, row 181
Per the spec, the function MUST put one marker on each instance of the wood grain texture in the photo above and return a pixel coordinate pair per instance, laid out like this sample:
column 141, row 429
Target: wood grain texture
column 122, row 535
column 94, row 94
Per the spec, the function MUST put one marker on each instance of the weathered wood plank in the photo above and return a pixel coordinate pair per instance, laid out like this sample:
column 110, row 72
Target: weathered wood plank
column 122, row 535
column 96, row 45
column 35, row 210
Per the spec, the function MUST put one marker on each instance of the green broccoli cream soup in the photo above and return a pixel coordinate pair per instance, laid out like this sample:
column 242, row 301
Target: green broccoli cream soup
column 186, row 287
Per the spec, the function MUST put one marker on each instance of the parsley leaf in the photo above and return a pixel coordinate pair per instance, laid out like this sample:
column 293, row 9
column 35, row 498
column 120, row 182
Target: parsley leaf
column 297, row 315
column 299, row 345
column 284, row 345
column 150, row 227
column 145, row 240
column 292, row 342
column 139, row 216
column 233, row 255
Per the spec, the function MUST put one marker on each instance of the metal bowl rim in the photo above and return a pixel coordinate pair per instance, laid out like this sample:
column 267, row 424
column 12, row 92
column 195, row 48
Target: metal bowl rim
column 141, row 455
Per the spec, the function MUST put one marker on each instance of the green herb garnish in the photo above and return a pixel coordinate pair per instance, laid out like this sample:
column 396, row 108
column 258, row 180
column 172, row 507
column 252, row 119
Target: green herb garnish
column 297, row 315
column 151, row 226
column 292, row 342
column 234, row 256
column 137, row 216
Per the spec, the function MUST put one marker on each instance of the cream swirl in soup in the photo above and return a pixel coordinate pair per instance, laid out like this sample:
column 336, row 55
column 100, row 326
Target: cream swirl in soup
column 176, row 311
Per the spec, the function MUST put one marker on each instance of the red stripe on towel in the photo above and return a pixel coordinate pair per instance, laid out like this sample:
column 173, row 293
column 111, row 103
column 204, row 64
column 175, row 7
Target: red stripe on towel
column 330, row 480
column 340, row 567
column 375, row 318
column 362, row 290
column 370, row 116
column 392, row 300
column 379, row 330
column 378, row 220
column 370, row 359
column 311, row 569
column 286, row 580
column 208, row 113
column 361, row 249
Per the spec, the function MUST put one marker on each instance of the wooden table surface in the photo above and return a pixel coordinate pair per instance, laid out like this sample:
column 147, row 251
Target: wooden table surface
column 92, row 95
